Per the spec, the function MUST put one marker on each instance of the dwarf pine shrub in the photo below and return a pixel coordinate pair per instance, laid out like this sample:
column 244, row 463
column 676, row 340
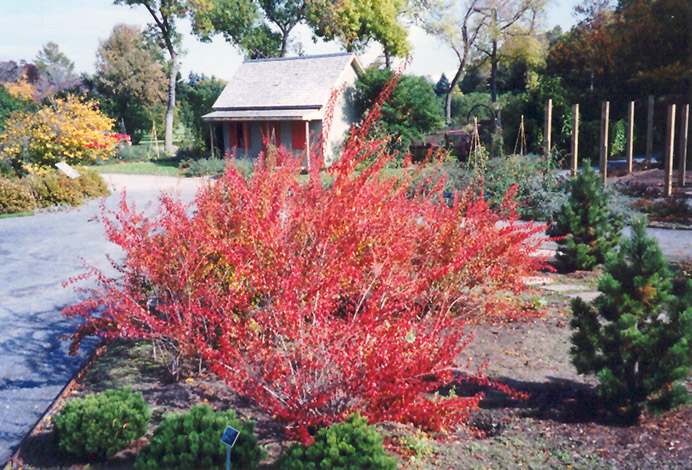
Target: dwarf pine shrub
column 192, row 440
column 100, row 425
column 637, row 337
column 587, row 223
column 351, row 445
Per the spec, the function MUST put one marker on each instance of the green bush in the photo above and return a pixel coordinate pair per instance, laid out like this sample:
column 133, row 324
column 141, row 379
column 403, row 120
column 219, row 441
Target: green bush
column 193, row 440
column 213, row 166
column 540, row 190
column 91, row 184
column 638, row 338
column 55, row 189
column 590, row 228
column 352, row 445
column 203, row 167
column 15, row 197
column 100, row 425
column 134, row 153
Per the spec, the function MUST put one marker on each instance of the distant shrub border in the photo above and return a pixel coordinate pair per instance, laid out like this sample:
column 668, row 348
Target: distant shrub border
column 15, row 197
column 49, row 189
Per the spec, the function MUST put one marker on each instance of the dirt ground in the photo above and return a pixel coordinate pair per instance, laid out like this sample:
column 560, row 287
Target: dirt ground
column 558, row 426
column 647, row 186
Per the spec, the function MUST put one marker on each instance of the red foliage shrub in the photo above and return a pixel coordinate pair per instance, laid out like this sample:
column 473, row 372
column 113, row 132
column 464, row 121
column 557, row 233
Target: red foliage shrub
column 318, row 301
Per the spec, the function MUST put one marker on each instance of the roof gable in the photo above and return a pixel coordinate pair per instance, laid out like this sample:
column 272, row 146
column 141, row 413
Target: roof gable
column 288, row 83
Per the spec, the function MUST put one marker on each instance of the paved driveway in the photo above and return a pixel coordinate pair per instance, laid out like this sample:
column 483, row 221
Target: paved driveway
column 36, row 255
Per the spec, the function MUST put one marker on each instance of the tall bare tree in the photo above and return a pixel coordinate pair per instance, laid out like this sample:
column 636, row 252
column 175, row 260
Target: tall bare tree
column 457, row 24
column 509, row 33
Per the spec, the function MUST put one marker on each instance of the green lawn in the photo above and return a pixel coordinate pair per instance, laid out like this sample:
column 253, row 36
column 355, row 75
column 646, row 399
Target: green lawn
column 16, row 214
column 163, row 168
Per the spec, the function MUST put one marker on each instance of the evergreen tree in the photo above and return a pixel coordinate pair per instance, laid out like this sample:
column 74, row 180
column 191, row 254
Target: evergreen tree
column 586, row 222
column 442, row 86
column 56, row 69
column 638, row 337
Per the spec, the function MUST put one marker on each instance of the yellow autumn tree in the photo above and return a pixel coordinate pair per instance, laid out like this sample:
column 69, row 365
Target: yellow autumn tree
column 22, row 89
column 68, row 129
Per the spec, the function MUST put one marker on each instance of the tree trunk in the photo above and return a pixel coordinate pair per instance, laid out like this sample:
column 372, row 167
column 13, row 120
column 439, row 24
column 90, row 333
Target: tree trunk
column 168, row 137
column 450, row 92
column 284, row 43
column 387, row 58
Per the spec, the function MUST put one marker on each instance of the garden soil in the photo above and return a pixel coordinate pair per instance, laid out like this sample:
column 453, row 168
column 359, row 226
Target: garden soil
column 557, row 425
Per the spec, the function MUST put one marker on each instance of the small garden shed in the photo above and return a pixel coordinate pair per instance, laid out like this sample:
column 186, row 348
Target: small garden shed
column 283, row 101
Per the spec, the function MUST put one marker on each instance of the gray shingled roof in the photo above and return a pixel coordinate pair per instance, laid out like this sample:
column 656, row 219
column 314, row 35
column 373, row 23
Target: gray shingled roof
column 285, row 83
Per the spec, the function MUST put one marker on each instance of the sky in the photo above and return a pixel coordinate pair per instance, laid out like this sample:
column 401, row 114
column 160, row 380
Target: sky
column 77, row 26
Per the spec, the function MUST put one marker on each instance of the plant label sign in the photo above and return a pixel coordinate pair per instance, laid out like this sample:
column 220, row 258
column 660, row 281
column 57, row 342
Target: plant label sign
column 67, row 169
column 229, row 437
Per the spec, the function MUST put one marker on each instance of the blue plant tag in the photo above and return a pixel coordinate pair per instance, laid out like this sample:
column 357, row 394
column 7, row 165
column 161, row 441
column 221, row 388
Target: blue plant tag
column 229, row 437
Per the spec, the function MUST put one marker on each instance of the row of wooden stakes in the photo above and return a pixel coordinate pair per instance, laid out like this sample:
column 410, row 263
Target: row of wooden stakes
column 603, row 160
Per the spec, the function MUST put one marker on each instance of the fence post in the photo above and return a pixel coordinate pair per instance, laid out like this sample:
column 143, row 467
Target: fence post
column 575, row 140
column 684, row 132
column 548, row 126
column 605, row 110
column 668, row 162
column 650, row 131
column 211, row 139
column 630, row 136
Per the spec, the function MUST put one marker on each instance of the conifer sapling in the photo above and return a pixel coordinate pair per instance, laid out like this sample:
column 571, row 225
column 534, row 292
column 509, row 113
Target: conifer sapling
column 585, row 221
column 637, row 337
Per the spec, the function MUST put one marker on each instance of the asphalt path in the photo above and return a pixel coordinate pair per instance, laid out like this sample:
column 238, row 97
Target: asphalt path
column 37, row 254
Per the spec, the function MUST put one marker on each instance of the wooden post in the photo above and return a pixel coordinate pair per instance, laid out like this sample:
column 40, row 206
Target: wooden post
column 684, row 133
column 211, row 139
column 522, row 144
column 603, row 164
column 630, row 136
column 307, row 143
column 548, row 126
column 575, row 140
column 650, row 131
column 668, row 162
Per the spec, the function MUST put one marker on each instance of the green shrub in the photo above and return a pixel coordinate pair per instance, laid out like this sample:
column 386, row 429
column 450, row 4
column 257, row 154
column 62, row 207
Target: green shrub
column 638, row 339
column 134, row 153
column 55, row 189
column 590, row 229
column 15, row 197
column 192, row 152
column 203, row 167
column 540, row 191
column 91, row 184
column 213, row 166
column 193, row 440
column 102, row 424
column 352, row 445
